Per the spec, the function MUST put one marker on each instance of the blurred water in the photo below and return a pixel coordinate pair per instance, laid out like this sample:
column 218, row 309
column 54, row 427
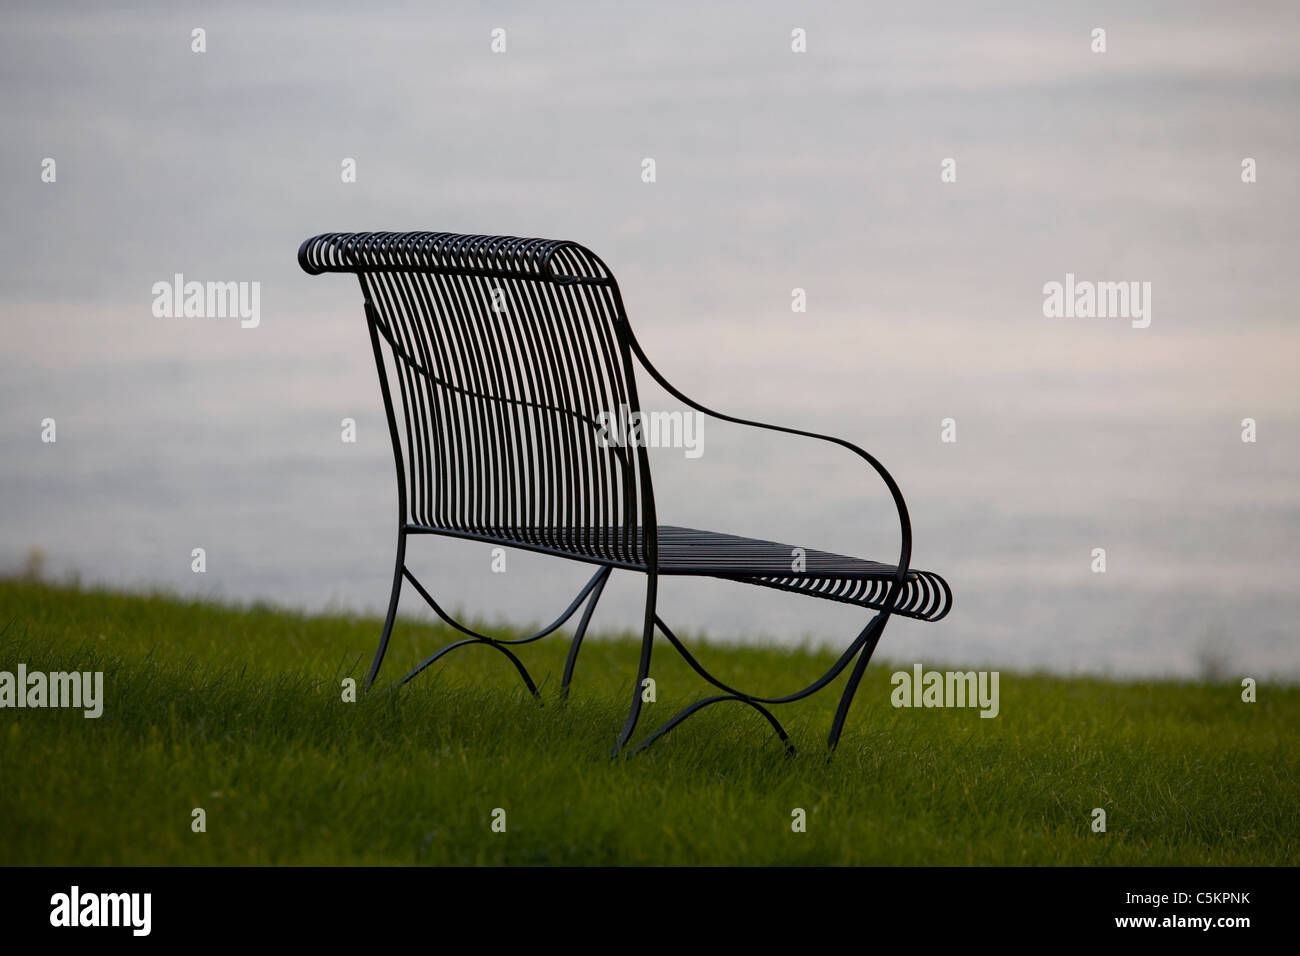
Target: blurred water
column 775, row 171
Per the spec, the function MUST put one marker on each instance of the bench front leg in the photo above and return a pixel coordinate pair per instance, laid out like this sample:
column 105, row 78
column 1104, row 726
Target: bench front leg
column 877, row 626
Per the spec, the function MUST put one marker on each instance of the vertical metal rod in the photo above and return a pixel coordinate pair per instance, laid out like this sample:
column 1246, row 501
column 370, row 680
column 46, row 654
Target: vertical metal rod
column 399, row 563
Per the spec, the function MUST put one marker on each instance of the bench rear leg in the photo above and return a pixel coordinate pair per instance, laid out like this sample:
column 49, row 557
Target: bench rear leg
column 643, row 669
column 391, row 618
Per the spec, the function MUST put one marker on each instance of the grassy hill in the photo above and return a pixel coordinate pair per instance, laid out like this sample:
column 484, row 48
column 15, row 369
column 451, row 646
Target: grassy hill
column 240, row 712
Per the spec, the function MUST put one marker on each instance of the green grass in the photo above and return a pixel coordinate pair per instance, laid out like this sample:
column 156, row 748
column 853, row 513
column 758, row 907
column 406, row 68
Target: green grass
column 239, row 711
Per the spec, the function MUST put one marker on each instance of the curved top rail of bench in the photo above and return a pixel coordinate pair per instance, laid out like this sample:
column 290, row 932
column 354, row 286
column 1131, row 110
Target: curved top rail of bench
column 450, row 253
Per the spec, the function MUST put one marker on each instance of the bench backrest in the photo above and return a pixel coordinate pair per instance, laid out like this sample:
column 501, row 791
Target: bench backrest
column 505, row 353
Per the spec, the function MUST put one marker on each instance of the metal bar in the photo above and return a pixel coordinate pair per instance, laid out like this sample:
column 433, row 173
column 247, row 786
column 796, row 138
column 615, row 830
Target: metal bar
column 855, row 678
column 391, row 616
column 598, row 577
column 523, row 671
column 571, row 661
column 643, row 667
column 389, row 416
column 858, row 643
column 708, row 701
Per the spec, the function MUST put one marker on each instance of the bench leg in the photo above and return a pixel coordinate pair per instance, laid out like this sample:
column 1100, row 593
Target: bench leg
column 590, row 592
column 572, row 660
column 855, row 678
column 643, row 669
column 701, row 704
column 398, row 568
column 519, row 666
column 862, row 648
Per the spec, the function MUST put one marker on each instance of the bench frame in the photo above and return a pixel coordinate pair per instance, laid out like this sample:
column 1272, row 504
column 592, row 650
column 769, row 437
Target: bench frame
column 566, row 264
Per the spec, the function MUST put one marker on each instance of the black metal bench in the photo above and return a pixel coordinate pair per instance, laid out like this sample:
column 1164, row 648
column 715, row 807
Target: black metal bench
column 505, row 352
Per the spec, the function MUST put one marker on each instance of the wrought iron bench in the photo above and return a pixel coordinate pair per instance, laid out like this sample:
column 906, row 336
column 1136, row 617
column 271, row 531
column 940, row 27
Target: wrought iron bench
column 504, row 352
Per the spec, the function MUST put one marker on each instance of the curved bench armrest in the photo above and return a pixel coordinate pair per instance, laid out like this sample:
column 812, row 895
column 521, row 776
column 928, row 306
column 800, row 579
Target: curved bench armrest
column 904, row 521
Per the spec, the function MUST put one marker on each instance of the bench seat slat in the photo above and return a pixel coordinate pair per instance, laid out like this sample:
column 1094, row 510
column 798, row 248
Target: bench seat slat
column 692, row 551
